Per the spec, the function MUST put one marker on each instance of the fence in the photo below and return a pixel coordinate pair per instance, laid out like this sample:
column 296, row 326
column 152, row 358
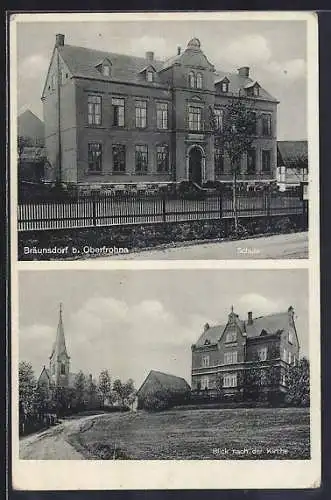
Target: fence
column 107, row 210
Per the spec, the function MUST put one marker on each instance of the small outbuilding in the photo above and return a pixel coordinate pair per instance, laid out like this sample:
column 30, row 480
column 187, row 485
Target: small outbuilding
column 161, row 391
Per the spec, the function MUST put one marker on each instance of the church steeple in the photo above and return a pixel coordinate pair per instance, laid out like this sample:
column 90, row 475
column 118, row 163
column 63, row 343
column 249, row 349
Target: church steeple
column 59, row 358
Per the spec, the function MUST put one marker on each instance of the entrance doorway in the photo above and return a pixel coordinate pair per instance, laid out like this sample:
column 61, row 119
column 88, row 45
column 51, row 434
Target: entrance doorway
column 195, row 166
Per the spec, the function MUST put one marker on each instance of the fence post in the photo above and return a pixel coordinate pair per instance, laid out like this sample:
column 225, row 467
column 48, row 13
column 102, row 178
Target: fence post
column 94, row 208
column 164, row 214
column 220, row 206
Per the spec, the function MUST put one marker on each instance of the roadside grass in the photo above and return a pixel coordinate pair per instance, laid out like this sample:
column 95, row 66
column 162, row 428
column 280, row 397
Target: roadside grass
column 228, row 434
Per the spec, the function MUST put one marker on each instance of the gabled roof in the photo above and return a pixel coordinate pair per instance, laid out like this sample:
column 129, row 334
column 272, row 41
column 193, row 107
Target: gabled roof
column 271, row 324
column 166, row 381
column 251, row 84
column 291, row 150
column 82, row 62
column 237, row 83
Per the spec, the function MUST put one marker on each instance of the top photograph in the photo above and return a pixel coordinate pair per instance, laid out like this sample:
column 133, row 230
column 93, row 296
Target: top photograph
column 162, row 136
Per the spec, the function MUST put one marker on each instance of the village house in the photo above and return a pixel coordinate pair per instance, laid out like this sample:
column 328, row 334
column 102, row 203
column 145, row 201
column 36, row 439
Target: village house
column 114, row 118
column 225, row 357
column 163, row 386
column 292, row 164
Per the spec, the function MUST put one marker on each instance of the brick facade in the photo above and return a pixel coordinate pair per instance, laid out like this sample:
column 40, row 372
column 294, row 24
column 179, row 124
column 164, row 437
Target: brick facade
column 224, row 355
column 188, row 84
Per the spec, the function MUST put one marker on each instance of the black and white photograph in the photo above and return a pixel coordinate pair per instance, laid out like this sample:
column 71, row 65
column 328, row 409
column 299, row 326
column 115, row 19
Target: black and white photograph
column 162, row 139
column 164, row 365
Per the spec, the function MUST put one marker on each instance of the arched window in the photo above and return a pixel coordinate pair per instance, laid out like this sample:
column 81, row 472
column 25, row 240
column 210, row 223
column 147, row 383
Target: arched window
column 199, row 81
column 191, row 79
column 63, row 369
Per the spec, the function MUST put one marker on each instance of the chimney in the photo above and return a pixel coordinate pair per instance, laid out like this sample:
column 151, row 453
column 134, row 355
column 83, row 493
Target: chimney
column 244, row 72
column 206, row 327
column 178, row 51
column 59, row 41
column 249, row 318
column 150, row 56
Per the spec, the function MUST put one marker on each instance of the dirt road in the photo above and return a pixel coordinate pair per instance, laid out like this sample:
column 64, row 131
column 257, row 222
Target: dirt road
column 52, row 444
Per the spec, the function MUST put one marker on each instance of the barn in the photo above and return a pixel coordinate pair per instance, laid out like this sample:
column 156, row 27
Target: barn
column 162, row 390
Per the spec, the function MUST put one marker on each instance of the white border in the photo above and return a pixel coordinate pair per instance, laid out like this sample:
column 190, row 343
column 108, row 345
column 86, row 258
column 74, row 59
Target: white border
column 105, row 475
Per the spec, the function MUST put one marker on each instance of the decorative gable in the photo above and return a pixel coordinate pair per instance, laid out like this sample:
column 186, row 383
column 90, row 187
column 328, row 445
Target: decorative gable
column 223, row 85
column 253, row 89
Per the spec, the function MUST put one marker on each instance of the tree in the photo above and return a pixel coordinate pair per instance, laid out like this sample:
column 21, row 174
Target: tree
column 92, row 393
column 42, row 399
column 79, row 390
column 124, row 393
column 27, row 387
column 22, row 143
column 235, row 136
column 104, row 386
column 298, row 384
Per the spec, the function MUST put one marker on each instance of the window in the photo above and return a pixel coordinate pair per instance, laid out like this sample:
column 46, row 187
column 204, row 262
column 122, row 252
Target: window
column 118, row 112
column 162, row 115
column 95, row 157
column 141, row 114
column 219, row 118
column 231, row 336
column 262, row 353
column 53, row 82
column 205, row 361
column 63, row 369
column 289, row 358
column 149, row 76
column 194, row 118
column 94, row 110
column 191, row 80
column 283, row 378
column 118, row 158
column 230, row 380
column 224, row 87
column 290, row 337
column 253, row 122
column 204, row 382
column 294, row 360
column 106, row 70
column 141, row 159
column 266, row 125
column 251, row 161
column 256, row 90
column 53, row 369
column 266, row 161
column 162, row 158
column 230, row 357
column 219, row 161
column 199, row 81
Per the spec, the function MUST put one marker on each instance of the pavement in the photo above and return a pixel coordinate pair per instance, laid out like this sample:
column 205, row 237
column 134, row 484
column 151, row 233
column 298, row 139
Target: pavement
column 280, row 246
column 52, row 444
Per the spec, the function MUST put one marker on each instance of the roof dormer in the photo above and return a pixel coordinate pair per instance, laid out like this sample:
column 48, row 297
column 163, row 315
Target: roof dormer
column 104, row 67
column 253, row 89
column 223, row 85
column 148, row 72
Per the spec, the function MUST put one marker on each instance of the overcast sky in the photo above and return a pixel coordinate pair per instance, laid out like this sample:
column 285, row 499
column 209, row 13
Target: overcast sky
column 133, row 321
column 274, row 50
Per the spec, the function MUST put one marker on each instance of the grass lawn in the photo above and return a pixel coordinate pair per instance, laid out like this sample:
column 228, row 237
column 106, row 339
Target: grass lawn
column 255, row 433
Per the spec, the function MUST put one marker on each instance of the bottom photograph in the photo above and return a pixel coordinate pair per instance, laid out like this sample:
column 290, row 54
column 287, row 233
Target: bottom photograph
column 194, row 364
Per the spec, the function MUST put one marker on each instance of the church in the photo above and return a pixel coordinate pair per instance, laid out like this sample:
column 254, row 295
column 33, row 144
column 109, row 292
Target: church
column 58, row 373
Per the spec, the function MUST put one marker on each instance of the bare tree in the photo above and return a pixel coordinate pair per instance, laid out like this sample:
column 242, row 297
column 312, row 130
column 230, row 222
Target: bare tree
column 234, row 135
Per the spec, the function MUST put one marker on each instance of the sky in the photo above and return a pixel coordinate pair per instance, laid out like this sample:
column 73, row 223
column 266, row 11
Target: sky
column 134, row 321
column 274, row 50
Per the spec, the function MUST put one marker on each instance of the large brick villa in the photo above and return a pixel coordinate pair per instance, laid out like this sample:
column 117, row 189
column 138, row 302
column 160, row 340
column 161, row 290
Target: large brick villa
column 224, row 354
column 115, row 118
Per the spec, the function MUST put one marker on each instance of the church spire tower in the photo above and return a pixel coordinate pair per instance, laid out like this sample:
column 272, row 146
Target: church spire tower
column 59, row 363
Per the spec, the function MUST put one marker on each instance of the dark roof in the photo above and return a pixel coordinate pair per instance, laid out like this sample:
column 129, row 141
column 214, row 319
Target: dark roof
column 271, row 324
column 291, row 150
column 83, row 62
column 165, row 380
